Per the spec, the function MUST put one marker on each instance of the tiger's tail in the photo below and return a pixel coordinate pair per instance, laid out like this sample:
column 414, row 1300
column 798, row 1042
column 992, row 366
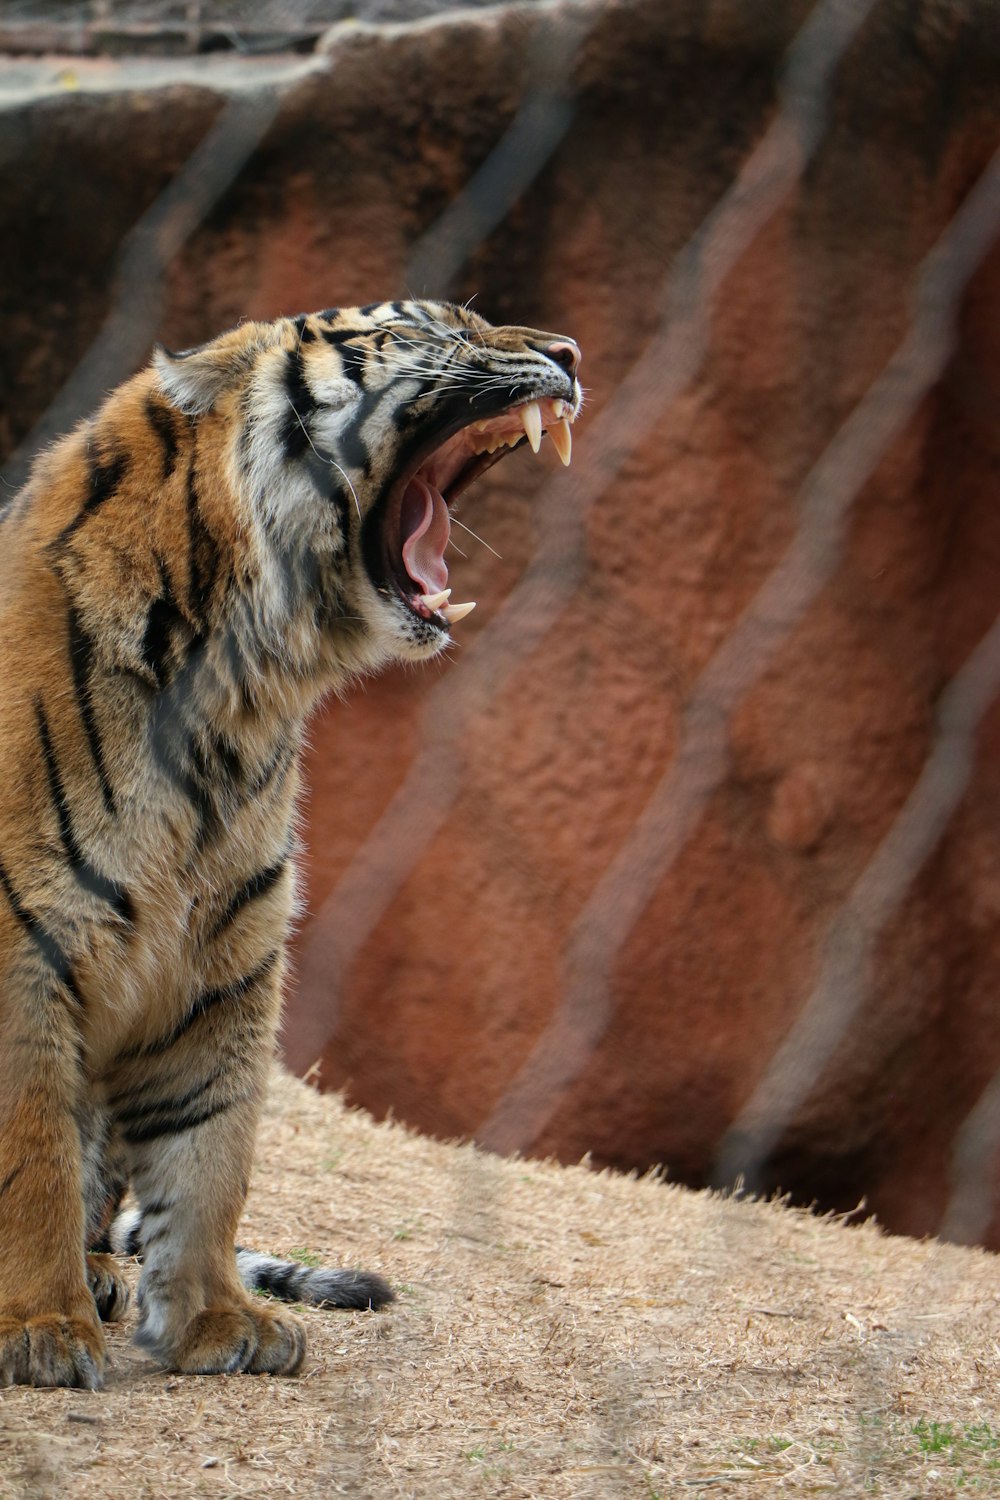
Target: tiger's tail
column 288, row 1280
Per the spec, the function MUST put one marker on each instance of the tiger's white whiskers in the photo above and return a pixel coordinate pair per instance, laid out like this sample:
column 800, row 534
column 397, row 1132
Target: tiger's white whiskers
column 456, row 522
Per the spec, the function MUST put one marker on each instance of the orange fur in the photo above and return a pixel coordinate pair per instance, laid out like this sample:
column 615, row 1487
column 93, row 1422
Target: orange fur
column 181, row 579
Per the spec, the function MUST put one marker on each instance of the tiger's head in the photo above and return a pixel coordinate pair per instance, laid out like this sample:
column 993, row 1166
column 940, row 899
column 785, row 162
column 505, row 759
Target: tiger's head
column 352, row 431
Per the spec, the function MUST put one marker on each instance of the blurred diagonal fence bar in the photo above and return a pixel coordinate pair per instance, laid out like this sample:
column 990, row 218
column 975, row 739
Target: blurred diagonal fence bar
column 136, row 310
column 544, row 117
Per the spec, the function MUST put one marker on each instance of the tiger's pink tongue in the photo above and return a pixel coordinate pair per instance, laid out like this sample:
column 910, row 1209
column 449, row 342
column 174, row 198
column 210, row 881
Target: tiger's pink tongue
column 425, row 525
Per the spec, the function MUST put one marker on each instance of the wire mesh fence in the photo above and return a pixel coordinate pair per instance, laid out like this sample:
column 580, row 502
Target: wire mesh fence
column 780, row 166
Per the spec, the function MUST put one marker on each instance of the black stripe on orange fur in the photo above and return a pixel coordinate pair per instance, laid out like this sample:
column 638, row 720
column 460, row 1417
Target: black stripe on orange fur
column 236, row 989
column 106, row 474
column 81, row 655
column 163, row 421
column 203, row 554
column 294, row 437
column 90, row 878
column 132, row 1115
column 46, row 945
column 153, row 1129
column 11, row 1177
column 258, row 885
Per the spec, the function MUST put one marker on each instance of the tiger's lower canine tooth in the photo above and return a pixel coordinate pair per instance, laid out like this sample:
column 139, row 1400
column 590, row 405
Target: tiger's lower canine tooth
column 562, row 440
column 531, row 416
column 455, row 612
column 435, row 601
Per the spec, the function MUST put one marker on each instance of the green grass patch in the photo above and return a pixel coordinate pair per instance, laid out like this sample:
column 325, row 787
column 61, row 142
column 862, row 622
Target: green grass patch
column 305, row 1256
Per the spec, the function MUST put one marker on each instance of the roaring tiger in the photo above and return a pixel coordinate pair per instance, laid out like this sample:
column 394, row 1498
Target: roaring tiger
column 239, row 529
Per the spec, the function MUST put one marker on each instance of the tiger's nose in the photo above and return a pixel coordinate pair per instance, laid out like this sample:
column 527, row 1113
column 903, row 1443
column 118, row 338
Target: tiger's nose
column 566, row 355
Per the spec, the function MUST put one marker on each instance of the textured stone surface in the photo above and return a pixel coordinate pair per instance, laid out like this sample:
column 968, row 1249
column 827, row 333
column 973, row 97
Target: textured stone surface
column 442, row 898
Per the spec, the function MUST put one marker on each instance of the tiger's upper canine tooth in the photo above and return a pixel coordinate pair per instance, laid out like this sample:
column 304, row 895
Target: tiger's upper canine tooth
column 531, row 416
column 562, row 440
column 435, row 601
column 454, row 612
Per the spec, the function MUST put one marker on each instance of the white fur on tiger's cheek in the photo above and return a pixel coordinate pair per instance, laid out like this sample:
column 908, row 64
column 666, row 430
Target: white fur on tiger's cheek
column 334, row 393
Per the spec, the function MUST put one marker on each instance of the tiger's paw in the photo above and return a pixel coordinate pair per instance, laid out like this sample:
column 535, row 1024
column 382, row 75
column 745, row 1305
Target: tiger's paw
column 108, row 1287
column 225, row 1341
column 51, row 1350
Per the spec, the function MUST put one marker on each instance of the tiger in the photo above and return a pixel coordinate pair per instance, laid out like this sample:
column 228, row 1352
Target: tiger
column 241, row 528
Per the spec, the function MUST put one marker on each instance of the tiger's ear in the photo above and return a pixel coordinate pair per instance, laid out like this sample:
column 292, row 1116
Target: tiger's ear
column 194, row 380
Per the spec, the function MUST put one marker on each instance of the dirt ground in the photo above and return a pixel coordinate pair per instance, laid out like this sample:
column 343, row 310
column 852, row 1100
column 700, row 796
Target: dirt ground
column 559, row 1333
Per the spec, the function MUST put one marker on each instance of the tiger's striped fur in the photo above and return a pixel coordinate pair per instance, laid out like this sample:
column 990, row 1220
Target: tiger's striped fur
column 235, row 532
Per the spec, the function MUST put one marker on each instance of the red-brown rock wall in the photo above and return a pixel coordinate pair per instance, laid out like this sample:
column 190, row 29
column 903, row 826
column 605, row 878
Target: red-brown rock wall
column 463, row 822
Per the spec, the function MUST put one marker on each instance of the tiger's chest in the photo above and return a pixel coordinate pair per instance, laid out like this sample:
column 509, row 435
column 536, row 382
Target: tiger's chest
column 210, row 876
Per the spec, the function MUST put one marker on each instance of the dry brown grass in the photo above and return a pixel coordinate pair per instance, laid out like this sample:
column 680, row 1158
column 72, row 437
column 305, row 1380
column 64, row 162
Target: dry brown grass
column 559, row 1333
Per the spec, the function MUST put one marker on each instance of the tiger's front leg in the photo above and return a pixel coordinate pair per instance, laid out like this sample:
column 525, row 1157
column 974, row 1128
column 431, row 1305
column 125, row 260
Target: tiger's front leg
column 190, row 1145
column 50, row 1332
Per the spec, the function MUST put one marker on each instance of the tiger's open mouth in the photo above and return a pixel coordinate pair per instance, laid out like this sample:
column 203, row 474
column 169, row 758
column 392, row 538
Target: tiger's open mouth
column 416, row 526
